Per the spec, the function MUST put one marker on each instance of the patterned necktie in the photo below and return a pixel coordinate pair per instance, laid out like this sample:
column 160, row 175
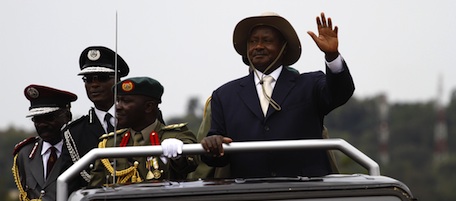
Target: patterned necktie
column 267, row 91
column 51, row 160
column 138, row 138
column 107, row 118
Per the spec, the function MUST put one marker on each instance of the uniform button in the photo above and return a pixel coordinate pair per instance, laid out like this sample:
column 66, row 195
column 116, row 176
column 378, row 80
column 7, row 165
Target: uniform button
column 273, row 174
column 266, row 128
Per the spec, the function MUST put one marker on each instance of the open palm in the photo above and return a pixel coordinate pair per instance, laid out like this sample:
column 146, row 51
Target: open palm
column 327, row 39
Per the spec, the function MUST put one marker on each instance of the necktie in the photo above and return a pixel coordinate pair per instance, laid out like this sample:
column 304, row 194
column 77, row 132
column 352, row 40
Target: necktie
column 51, row 160
column 267, row 91
column 107, row 118
column 138, row 138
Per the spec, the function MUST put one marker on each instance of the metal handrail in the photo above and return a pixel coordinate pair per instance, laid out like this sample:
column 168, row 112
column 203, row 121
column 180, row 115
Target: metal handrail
column 192, row 149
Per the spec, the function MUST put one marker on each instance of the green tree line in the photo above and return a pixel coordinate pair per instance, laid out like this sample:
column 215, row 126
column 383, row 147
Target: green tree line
column 410, row 146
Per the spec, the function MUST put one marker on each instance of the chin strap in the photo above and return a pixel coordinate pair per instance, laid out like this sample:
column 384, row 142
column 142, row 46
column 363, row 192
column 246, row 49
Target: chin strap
column 274, row 104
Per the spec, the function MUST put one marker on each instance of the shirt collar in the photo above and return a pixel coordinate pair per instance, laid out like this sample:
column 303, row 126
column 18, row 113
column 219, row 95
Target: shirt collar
column 146, row 131
column 275, row 74
column 47, row 145
column 101, row 114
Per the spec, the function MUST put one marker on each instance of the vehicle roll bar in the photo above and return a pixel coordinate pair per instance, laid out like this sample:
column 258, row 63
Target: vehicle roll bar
column 193, row 149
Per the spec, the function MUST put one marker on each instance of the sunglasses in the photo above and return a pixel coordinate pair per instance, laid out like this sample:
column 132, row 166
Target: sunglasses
column 98, row 78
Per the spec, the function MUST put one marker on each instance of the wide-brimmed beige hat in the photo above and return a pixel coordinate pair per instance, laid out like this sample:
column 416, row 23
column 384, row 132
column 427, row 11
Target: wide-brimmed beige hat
column 245, row 26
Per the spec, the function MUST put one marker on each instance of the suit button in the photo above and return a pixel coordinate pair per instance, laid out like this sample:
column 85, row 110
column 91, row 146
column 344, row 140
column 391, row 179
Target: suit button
column 273, row 174
column 266, row 128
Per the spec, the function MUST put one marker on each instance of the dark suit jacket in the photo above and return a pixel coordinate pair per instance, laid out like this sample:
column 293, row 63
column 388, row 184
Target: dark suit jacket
column 305, row 99
column 31, row 172
column 85, row 132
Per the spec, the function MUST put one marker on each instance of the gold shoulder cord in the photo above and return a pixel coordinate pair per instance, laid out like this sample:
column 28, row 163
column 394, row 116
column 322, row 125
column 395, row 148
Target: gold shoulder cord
column 130, row 173
column 206, row 105
column 22, row 193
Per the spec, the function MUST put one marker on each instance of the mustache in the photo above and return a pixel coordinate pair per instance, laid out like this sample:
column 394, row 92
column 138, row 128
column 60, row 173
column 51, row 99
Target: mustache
column 260, row 52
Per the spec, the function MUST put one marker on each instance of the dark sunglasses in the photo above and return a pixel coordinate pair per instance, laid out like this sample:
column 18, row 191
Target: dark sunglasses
column 47, row 117
column 98, row 78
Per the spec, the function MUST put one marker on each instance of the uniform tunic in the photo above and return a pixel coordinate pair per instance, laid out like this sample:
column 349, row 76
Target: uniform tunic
column 30, row 169
column 173, row 170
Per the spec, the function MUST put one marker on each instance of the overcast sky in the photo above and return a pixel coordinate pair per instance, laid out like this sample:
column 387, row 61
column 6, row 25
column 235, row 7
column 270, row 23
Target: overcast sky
column 397, row 47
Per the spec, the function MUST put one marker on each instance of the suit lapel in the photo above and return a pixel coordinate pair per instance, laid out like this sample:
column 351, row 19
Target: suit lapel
column 284, row 84
column 95, row 125
column 249, row 95
column 37, row 163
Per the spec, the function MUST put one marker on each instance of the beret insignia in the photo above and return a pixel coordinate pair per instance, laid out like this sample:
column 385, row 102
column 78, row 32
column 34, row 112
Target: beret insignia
column 128, row 86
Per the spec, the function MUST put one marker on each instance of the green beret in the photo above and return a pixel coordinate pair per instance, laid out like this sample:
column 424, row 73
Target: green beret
column 140, row 86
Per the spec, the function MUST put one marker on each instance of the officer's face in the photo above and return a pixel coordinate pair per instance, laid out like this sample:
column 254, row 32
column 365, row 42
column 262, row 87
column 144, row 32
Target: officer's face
column 135, row 111
column 48, row 125
column 99, row 90
column 264, row 46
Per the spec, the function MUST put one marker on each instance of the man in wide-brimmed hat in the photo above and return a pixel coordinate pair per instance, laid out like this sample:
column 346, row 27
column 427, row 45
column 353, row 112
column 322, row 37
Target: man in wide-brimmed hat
column 275, row 102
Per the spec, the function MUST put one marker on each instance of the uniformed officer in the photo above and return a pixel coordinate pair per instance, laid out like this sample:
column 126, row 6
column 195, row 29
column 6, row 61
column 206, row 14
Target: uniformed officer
column 137, row 111
column 38, row 161
column 97, row 65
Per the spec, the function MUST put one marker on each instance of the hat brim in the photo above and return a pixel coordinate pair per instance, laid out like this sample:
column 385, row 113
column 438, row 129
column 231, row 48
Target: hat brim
column 245, row 26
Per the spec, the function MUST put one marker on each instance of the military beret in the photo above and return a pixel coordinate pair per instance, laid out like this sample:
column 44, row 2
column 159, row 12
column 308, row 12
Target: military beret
column 45, row 99
column 140, row 86
column 99, row 59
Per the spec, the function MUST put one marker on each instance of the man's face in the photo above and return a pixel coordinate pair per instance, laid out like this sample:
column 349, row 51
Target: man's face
column 99, row 89
column 264, row 46
column 132, row 111
column 48, row 125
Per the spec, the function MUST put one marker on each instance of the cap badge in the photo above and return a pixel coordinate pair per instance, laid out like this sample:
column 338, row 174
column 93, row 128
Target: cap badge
column 32, row 92
column 127, row 86
column 93, row 55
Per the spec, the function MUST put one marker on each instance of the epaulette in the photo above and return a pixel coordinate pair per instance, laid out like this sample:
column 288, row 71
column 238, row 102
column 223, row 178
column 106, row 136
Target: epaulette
column 174, row 126
column 24, row 142
column 120, row 131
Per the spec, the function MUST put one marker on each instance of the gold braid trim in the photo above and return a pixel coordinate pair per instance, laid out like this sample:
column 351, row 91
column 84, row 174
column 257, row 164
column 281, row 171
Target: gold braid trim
column 124, row 176
column 17, row 179
column 206, row 105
